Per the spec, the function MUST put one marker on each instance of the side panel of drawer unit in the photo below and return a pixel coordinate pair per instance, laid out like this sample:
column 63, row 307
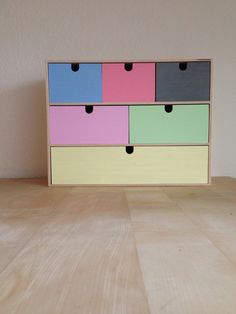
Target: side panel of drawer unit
column 146, row 165
column 177, row 124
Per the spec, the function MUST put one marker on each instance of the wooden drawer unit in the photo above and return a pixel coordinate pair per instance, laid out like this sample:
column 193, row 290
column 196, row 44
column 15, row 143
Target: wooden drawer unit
column 171, row 124
column 129, row 122
column 146, row 165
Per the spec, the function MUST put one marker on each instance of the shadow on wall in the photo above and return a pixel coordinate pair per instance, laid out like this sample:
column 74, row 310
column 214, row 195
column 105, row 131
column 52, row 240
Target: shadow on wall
column 23, row 131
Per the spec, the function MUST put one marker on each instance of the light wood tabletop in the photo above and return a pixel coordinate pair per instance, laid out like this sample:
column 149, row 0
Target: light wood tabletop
column 117, row 250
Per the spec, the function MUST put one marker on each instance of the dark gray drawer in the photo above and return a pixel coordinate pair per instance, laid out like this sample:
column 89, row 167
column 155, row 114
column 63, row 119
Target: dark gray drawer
column 183, row 81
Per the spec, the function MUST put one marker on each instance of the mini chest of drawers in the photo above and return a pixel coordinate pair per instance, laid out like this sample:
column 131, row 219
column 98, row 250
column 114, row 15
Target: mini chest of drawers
column 129, row 123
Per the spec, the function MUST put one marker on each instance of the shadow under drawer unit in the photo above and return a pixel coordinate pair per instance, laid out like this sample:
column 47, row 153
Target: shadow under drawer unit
column 129, row 123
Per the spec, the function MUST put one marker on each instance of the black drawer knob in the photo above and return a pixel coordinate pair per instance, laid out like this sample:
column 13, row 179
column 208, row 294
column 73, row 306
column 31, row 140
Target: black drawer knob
column 183, row 66
column 168, row 108
column 129, row 149
column 75, row 67
column 89, row 109
column 128, row 66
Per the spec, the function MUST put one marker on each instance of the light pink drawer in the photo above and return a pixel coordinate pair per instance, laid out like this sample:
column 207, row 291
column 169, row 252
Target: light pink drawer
column 128, row 82
column 73, row 125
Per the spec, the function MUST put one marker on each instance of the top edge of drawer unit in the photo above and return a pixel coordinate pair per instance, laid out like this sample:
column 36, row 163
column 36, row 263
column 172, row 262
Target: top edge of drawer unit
column 129, row 60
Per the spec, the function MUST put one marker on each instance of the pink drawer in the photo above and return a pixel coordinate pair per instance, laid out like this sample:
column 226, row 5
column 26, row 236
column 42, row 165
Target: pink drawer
column 73, row 125
column 128, row 82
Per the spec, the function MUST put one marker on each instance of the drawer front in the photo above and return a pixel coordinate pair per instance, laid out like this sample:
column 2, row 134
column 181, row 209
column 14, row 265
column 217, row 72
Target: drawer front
column 68, row 83
column 73, row 125
column 128, row 82
column 146, row 165
column 184, row 124
column 183, row 81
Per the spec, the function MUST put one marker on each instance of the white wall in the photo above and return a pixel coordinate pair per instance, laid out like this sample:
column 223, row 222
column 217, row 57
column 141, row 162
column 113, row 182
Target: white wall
column 33, row 31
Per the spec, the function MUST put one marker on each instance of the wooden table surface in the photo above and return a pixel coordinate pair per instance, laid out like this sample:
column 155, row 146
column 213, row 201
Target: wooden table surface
column 117, row 250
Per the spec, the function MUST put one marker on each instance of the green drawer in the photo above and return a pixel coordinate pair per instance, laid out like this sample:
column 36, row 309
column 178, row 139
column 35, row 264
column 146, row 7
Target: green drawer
column 184, row 124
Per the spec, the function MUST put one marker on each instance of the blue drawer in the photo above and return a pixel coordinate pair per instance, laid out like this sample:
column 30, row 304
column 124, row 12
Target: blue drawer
column 68, row 83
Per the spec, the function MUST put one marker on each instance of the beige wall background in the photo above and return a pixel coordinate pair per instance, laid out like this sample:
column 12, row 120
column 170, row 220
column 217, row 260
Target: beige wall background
column 33, row 31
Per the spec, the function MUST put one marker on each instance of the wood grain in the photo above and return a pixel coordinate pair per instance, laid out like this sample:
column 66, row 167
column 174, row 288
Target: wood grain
column 117, row 250
column 81, row 258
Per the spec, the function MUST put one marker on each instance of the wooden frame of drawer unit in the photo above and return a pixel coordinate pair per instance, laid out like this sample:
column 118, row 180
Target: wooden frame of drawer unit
column 209, row 102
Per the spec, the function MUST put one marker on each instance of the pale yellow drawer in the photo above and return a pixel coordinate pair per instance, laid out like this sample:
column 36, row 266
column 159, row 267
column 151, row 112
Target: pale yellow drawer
column 146, row 165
